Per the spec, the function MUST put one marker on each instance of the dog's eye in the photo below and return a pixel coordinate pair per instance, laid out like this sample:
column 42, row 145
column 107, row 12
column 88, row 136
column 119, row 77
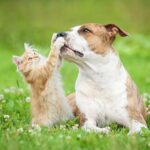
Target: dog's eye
column 86, row 30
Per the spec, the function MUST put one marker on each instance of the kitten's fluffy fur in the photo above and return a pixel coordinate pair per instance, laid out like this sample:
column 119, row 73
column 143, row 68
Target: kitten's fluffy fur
column 49, row 104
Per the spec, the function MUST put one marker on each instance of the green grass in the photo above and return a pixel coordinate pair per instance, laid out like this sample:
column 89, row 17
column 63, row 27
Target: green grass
column 35, row 21
column 17, row 134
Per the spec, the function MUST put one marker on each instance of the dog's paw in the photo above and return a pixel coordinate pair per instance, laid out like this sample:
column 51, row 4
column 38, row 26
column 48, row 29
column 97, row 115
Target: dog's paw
column 105, row 130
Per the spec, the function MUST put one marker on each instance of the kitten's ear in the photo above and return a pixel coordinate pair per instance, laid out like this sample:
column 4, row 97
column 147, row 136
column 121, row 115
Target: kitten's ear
column 17, row 60
column 28, row 47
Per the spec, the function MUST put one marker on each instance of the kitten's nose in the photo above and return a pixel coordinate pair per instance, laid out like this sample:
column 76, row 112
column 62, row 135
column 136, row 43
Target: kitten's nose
column 61, row 34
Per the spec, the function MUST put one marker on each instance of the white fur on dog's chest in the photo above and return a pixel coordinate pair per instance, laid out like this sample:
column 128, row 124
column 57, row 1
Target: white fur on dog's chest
column 96, row 97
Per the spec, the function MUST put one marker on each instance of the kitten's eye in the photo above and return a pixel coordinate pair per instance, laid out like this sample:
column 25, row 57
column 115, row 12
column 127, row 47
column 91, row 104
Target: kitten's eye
column 86, row 30
column 30, row 58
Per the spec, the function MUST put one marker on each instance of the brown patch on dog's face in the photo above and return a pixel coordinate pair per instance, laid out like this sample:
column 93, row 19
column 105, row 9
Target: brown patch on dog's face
column 136, row 108
column 100, row 37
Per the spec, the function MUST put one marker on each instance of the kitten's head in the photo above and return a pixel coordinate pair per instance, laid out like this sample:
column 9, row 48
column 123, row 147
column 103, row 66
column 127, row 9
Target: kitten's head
column 28, row 61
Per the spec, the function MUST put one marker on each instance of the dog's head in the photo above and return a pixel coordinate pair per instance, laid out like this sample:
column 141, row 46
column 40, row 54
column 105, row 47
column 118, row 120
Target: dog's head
column 83, row 41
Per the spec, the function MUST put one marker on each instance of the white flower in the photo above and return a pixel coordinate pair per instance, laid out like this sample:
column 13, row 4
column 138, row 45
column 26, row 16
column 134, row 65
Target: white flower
column 30, row 130
column 62, row 127
column 6, row 117
column 79, row 136
column 146, row 96
column 12, row 89
column 68, row 137
column 75, row 127
column 149, row 144
column 28, row 99
column 1, row 97
column 6, row 90
column 20, row 91
column 20, row 130
column 36, row 127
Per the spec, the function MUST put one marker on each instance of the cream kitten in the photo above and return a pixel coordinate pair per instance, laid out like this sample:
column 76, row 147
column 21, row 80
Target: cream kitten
column 49, row 104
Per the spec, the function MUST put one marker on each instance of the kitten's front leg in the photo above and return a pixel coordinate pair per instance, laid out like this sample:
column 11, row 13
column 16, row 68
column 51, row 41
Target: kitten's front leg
column 42, row 121
column 56, row 44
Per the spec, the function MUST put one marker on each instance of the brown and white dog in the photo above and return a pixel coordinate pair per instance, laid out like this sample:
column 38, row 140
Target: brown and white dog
column 105, row 92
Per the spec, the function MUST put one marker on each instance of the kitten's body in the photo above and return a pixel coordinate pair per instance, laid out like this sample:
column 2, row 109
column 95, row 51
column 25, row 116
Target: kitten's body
column 49, row 104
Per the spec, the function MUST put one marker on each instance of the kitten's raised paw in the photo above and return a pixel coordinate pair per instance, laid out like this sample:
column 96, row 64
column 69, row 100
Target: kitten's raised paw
column 54, row 36
column 57, row 43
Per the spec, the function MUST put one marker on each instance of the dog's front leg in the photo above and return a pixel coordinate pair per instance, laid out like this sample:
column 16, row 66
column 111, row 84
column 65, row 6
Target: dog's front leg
column 90, row 125
column 136, row 127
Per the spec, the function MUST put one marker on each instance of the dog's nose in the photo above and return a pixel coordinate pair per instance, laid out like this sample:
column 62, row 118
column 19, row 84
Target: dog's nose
column 61, row 34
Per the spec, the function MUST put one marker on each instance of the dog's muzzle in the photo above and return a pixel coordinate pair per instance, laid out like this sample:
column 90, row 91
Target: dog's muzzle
column 61, row 34
column 66, row 47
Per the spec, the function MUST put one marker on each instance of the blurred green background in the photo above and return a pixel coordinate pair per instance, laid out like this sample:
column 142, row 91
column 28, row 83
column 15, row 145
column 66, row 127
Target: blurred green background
column 34, row 21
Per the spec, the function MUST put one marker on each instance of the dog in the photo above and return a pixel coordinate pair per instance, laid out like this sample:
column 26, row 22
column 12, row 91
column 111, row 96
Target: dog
column 105, row 92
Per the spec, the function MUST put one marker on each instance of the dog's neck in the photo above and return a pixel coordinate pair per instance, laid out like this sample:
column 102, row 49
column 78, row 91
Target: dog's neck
column 106, row 66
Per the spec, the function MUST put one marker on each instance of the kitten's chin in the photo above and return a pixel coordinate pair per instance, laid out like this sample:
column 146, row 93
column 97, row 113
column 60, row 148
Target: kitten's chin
column 26, row 73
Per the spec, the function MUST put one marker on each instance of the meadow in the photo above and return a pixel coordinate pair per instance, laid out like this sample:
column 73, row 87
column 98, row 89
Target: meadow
column 34, row 22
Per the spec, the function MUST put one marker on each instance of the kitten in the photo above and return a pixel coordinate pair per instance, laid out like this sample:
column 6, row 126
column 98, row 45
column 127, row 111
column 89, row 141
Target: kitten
column 49, row 104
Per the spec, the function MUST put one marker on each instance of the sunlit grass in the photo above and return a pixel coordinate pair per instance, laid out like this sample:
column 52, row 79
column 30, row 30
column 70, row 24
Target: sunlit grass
column 17, row 133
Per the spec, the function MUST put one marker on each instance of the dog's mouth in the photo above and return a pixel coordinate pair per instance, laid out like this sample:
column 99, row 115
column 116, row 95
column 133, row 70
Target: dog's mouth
column 66, row 47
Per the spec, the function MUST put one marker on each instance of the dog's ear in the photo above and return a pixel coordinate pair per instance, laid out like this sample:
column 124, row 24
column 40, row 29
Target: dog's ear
column 113, row 30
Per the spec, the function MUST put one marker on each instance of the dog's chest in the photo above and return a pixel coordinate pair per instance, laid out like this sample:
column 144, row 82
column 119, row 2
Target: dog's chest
column 101, row 96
